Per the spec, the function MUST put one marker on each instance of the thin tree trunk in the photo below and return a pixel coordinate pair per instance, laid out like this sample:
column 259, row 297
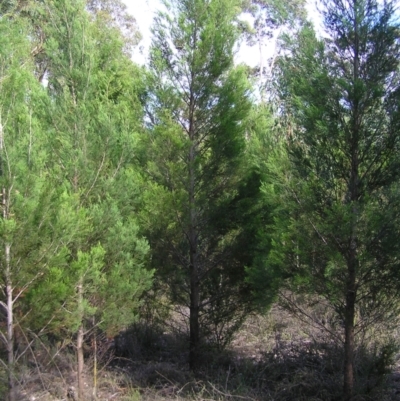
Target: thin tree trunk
column 194, row 272
column 351, row 286
column 348, row 387
column 94, row 393
column 194, row 320
column 79, row 347
column 10, row 312
column 9, row 287
column 10, row 326
column 352, row 260
column 193, row 236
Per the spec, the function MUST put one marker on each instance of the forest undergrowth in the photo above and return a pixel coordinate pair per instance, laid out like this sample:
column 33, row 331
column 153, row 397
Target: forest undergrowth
column 274, row 357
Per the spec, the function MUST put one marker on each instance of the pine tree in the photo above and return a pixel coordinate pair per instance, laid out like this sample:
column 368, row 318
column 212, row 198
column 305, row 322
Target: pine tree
column 28, row 246
column 93, row 113
column 342, row 95
column 197, row 106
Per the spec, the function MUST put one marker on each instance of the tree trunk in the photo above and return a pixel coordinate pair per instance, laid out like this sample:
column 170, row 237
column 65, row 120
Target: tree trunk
column 351, row 287
column 194, row 269
column 10, row 304
column 348, row 387
column 10, row 327
column 194, row 319
column 79, row 347
column 193, row 237
column 352, row 261
column 8, row 285
column 94, row 392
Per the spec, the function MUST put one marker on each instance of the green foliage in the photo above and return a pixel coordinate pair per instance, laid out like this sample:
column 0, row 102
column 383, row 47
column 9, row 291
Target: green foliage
column 94, row 111
column 266, row 159
column 27, row 194
column 323, row 143
column 203, row 201
column 193, row 150
column 341, row 96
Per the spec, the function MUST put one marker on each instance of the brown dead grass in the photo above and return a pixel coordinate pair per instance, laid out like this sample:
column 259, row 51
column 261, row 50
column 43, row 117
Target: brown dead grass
column 273, row 357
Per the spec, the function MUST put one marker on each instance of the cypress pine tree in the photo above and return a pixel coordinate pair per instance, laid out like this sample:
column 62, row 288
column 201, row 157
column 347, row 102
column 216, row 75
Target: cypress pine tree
column 93, row 113
column 342, row 94
column 28, row 246
column 197, row 106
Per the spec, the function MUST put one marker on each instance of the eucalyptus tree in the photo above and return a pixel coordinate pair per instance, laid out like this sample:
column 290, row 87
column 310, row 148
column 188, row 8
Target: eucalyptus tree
column 196, row 110
column 114, row 15
column 270, row 19
column 342, row 94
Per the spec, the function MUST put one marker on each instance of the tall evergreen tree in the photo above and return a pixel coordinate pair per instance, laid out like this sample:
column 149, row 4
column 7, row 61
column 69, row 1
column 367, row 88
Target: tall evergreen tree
column 93, row 113
column 197, row 106
column 29, row 201
column 342, row 95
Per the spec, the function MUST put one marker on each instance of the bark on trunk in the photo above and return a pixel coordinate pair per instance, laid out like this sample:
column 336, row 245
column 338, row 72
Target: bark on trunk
column 8, row 285
column 352, row 257
column 94, row 392
column 193, row 235
column 194, row 270
column 10, row 328
column 348, row 388
column 10, row 306
column 351, row 286
column 79, row 348
column 194, row 320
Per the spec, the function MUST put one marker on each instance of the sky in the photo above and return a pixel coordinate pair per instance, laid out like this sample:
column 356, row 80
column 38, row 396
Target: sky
column 144, row 10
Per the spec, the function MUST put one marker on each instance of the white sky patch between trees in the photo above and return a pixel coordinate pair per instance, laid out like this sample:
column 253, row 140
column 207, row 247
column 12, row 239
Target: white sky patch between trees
column 144, row 10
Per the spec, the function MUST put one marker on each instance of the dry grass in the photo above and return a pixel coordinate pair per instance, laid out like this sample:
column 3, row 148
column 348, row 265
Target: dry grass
column 273, row 357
